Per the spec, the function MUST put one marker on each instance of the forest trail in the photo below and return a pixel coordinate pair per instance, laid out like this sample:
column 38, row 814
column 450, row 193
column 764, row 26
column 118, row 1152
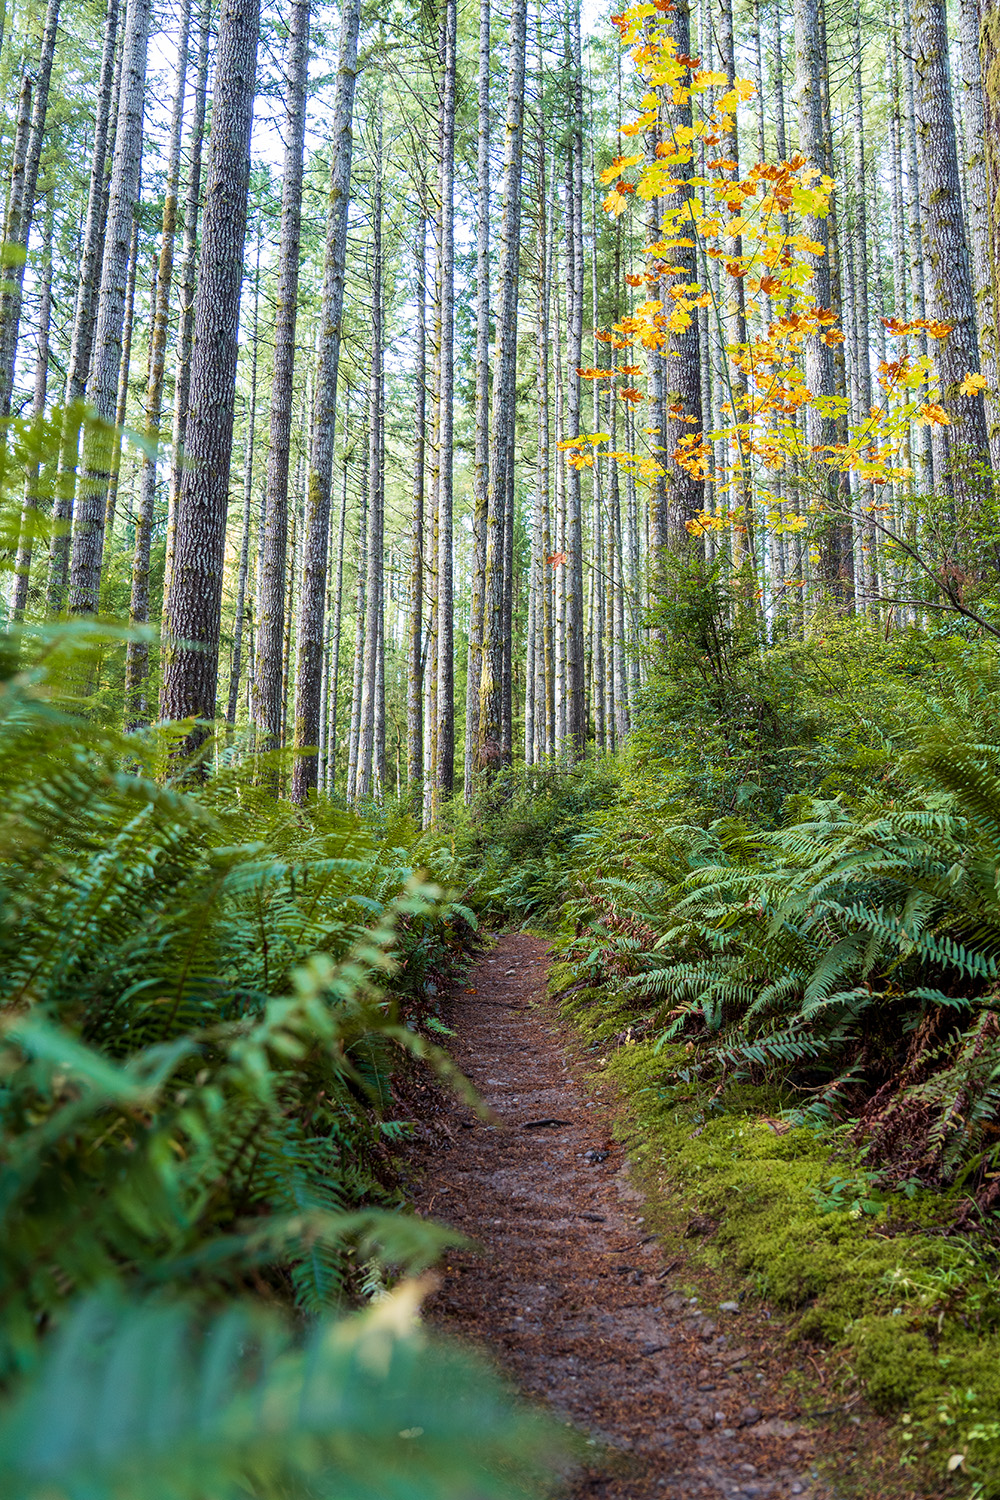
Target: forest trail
column 568, row 1291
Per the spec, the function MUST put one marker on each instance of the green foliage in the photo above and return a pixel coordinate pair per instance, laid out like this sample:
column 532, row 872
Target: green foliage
column 159, row 1400
column 206, row 995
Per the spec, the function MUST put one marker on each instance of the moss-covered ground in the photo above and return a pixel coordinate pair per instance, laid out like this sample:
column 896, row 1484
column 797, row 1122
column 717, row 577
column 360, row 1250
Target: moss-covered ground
column 905, row 1310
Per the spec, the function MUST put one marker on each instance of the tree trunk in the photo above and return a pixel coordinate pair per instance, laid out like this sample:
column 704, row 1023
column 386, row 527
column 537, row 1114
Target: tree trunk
column 682, row 363
column 376, row 488
column 102, row 387
column 19, row 218
column 270, row 707
column 444, row 769
column 84, row 318
column 191, row 662
column 810, row 61
column 481, row 480
column 576, row 708
column 948, row 275
column 185, row 292
column 29, row 512
column 241, row 585
column 121, row 403
column 415, row 628
column 977, row 197
column 490, row 741
column 309, row 655
column 137, row 651
column 338, row 611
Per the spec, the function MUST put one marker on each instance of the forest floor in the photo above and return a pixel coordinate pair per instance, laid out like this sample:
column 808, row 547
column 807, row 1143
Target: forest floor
column 566, row 1288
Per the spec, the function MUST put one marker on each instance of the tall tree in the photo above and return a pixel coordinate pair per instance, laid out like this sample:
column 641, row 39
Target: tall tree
column 415, row 624
column 490, row 748
column 317, row 521
column 186, row 288
column 269, row 705
column 84, row 319
column 29, row 510
column 21, row 209
column 102, row 386
column 948, row 276
column 481, row 478
column 190, row 668
column 444, row 767
column 137, row 651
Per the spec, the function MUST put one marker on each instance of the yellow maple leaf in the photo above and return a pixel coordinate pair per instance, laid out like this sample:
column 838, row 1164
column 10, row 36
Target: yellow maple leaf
column 932, row 414
column 972, row 383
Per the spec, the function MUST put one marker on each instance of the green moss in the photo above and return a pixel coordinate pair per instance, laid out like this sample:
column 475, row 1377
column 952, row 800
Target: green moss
column 913, row 1316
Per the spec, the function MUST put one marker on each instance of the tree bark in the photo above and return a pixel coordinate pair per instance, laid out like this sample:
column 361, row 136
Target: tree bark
column 977, row 198
column 84, row 319
column 241, row 584
column 29, row 511
column 948, row 275
column 481, row 481
column 444, row 768
column 102, row 387
column 374, row 583
column 19, row 219
column 269, row 705
column 191, row 663
column 490, row 740
column 309, row 662
column 137, row 651
column 186, row 290
column 415, row 627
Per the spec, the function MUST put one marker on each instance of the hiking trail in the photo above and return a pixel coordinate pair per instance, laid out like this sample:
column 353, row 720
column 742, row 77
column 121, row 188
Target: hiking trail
column 566, row 1288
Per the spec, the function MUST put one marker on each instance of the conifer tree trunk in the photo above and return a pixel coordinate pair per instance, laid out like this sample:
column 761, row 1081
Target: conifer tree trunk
column 482, row 455
column 241, row 584
column 576, row 707
column 124, row 367
column 186, row 288
column 29, row 511
column 810, row 62
column 354, row 732
column 19, row 218
column 269, row 705
column 102, row 386
column 921, row 436
column 137, row 651
column 191, row 662
column 863, row 377
column 490, row 744
column 989, row 56
column 541, row 540
column 85, row 315
column 444, row 767
column 309, row 645
column 415, row 625
column 374, row 584
column 338, row 612
column 946, row 259
column 977, row 198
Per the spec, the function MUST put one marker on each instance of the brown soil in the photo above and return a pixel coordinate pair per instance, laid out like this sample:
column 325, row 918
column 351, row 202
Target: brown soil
column 570, row 1292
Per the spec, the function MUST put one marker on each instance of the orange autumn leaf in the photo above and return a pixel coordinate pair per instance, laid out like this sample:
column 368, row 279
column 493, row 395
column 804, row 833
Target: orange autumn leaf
column 557, row 559
column 629, row 393
column 932, row 414
column 972, row 383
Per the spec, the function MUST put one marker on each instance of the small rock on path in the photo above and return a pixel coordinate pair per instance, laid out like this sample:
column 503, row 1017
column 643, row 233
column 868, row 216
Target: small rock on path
column 568, row 1291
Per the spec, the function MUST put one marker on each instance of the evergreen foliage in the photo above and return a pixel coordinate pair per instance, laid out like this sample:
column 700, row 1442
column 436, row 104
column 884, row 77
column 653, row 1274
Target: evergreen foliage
column 206, row 996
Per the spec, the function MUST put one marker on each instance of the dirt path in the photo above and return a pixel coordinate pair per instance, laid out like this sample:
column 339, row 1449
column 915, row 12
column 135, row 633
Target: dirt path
column 569, row 1292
